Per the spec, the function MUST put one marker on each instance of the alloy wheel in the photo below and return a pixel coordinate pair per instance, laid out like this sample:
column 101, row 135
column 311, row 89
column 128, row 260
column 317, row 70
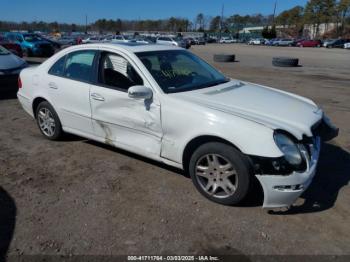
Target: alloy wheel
column 46, row 122
column 216, row 175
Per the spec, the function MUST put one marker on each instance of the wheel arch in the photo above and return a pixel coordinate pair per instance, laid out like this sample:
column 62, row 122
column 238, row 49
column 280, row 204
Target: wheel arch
column 36, row 103
column 194, row 143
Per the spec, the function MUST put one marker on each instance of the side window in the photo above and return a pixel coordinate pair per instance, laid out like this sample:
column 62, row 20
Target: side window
column 117, row 73
column 58, row 68
column 79, row 65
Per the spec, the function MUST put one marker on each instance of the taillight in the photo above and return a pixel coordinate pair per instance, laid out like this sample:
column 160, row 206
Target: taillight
column 19, row 82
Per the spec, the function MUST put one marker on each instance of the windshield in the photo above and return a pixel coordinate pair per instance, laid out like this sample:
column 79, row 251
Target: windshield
column 179, row 70
column 3, row 51
column 32, row 38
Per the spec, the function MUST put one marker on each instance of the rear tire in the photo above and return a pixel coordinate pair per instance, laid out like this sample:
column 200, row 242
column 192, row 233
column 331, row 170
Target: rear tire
column 221, row 173
column 48, row 122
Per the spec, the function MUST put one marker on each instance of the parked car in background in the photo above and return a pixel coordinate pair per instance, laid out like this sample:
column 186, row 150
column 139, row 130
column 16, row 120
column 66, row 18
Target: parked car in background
column 12, row 47
column 10, row 67
column 54, row 43
column 167, row 104
column 309, row 43
column 227, row 40
column 347, row 45
column 164, row 40
column 183, row 42
column 337, row 43
column 193, row 41
column 200, row 41
column 120, row 39
column 258, row 41
column 212, row 40
column 67, row 41
column 176, row 41
column 327, row 41
column 31, row 44
column 93, row 40
column 272, row 41
column 140, row 39
column 283, row 42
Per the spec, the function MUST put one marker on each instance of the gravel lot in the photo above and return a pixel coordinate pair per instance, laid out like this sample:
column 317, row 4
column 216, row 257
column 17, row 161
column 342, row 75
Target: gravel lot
column 81, row 197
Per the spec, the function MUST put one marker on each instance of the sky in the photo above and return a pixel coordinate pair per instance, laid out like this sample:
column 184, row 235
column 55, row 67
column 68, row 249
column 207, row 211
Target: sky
column 74, row 11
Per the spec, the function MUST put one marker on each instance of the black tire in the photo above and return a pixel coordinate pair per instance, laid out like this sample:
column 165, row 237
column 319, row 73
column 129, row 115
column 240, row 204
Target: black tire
column 58, row 132
column 238, row 161
column 285, row 61
column 224, row 58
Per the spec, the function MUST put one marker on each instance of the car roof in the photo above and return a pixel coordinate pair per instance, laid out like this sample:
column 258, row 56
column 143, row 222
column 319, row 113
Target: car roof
column 135, row 47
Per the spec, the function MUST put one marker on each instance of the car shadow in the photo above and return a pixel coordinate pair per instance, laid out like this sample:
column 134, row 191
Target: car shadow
column 332, row 175
column 138, row 157
column 8, row 212
column 254, row 199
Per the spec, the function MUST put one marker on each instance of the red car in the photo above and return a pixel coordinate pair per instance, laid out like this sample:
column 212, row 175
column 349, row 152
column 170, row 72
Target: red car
column 12, row 47
column 309, row 43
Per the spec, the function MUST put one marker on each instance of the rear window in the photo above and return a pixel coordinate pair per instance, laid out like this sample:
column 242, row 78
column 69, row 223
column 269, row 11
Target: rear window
column 58, row 68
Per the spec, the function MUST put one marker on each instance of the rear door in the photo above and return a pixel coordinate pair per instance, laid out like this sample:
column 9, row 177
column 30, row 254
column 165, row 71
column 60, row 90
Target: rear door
column 132, row 124
column 68, row 83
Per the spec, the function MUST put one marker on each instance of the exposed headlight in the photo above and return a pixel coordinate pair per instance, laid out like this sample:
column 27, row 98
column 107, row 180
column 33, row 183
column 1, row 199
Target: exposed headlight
column 289, row 149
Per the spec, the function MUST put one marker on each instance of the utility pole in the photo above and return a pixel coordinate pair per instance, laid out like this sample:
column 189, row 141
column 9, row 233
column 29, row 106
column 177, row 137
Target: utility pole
column 86, row 19
column 274, row 13
column 222, row 19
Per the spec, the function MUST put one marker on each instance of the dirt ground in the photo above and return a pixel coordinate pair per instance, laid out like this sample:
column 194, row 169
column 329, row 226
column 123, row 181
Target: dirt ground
column 78, row 197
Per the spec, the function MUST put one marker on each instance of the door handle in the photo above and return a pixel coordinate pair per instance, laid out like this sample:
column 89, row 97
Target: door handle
column 97, row 97
column 53, row 85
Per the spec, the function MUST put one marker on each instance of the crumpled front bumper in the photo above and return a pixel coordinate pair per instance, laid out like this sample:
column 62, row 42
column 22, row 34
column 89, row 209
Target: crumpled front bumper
column 283, row 191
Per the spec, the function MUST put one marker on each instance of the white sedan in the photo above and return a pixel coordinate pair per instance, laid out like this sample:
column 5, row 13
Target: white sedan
column 167, row 104
column 227, row 40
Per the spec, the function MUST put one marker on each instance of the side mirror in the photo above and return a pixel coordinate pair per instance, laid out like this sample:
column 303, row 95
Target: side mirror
column 140, row 92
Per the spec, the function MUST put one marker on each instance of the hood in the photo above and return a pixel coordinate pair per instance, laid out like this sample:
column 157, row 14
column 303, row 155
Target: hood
column 10, row 61
column 267, row 106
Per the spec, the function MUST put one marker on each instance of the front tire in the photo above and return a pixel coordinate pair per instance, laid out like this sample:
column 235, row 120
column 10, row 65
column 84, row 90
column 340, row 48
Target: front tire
column 220, row 173
column 48, row 121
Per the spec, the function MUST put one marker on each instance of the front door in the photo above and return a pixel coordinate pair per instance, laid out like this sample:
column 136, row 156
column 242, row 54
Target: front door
column 119, row 120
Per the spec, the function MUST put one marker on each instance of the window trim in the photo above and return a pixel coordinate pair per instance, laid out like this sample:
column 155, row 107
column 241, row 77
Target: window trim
column 92, row 76
column 64, row 65
column 98, row 68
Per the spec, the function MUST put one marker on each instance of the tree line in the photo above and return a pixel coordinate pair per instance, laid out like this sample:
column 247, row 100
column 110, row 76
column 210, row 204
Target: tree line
column 315, row 13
